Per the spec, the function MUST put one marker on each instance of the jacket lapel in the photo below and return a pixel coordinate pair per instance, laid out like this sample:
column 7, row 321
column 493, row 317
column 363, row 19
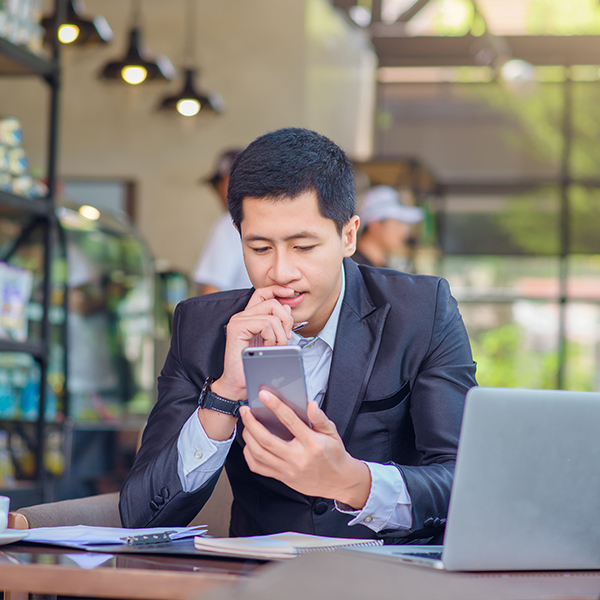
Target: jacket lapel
column 356, row 345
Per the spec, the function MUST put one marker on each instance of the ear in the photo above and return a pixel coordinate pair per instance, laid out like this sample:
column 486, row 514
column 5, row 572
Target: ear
column 349, row 235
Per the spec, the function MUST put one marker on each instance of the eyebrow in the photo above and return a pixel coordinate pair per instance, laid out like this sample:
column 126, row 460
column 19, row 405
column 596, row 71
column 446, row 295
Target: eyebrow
column 301, row 235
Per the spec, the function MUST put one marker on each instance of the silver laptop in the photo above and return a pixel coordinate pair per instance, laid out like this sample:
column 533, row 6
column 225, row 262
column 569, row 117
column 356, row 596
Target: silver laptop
column 526, row 491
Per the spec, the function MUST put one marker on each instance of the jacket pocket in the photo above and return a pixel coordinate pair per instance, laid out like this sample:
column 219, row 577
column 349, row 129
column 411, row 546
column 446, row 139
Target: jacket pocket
column 369, row 406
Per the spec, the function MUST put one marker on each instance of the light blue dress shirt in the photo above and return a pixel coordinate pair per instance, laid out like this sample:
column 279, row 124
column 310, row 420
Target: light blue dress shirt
column 388, row 505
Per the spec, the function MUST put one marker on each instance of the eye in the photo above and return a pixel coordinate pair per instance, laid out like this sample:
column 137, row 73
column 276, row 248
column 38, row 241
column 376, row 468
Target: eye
column 260, row 250
column 305, row 248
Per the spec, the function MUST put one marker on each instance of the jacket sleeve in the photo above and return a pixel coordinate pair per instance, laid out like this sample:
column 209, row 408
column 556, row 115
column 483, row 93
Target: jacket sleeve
column 152, row 494
column 437, row 401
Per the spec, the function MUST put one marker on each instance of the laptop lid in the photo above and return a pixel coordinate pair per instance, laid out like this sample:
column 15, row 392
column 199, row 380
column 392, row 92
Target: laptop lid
column 526, row 491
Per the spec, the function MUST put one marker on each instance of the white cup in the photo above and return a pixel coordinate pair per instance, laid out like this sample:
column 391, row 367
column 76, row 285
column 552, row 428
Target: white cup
column 4, row 508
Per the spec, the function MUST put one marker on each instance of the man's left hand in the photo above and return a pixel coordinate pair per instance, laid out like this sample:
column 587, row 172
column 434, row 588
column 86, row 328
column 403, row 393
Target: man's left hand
column 314, row 463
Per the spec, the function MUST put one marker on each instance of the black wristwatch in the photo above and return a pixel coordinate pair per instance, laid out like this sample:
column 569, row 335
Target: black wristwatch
column 208, row 399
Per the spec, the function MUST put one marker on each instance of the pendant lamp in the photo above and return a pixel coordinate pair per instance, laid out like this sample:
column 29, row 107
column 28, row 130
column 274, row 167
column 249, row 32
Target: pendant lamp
column 190, row 101
column 76, row 28
column 136, row 67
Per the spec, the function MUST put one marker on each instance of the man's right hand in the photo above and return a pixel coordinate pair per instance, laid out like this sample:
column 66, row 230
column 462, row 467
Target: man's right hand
column 264, row 322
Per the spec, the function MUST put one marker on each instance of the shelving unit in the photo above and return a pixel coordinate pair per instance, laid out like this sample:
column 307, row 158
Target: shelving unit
column 16, row 61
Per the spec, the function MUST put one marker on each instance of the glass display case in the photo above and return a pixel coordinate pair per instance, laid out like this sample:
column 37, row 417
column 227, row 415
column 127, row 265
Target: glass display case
column 110, row 321
column 101, row 343
column 22, row 291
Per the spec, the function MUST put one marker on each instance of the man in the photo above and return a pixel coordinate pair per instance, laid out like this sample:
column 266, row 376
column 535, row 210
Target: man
column 221, row 265
column 385, row 226
column 386, row 356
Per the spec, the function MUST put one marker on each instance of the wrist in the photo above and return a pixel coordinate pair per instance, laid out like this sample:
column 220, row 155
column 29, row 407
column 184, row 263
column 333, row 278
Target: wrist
column 226, row 390
column 357, row 488
column 209, row 399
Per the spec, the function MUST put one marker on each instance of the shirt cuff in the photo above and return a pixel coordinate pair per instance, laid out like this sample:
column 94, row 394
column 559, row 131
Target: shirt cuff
column 388, row 506
column 199, row 456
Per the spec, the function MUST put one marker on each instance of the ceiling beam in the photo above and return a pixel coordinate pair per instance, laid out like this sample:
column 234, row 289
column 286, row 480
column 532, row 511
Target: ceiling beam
column 462, row 51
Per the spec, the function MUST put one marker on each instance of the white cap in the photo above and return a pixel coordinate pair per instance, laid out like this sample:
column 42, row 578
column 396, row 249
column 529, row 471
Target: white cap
column 382, row 202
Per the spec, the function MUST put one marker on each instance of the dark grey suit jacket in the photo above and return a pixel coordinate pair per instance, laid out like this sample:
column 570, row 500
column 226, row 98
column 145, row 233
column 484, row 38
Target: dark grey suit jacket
column 401, row 367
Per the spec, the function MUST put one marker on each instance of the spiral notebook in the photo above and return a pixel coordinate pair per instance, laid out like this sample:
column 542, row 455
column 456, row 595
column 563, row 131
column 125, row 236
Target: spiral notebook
column 278, row 546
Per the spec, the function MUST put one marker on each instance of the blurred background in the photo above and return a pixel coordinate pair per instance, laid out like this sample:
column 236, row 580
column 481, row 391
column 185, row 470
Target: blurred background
column 484, row 113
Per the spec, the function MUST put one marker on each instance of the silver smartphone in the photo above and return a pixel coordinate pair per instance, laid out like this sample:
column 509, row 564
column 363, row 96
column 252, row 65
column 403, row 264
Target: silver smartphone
column 278, row 369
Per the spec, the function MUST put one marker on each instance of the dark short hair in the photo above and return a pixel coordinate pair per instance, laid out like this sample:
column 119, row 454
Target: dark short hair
column 289, row 162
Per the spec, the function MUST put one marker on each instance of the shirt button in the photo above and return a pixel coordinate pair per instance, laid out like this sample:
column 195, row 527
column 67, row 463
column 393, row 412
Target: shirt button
column 368, row 519
column 198, row 454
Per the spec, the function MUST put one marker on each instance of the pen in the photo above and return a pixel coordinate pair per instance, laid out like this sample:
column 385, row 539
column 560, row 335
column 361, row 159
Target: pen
column 299, row 325
column 257, row 340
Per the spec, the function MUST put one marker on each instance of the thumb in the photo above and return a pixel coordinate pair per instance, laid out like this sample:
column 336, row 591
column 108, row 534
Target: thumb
column 319, row 420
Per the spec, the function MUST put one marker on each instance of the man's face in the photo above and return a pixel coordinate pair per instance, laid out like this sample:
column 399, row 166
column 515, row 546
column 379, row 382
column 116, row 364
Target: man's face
column 288, row 242
column 391, row 234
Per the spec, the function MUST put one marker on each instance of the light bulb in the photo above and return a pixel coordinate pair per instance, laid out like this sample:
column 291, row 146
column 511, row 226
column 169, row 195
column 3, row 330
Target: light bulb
column 134, row 74
column 188, row 107
column 68, row 33
column 89, row 212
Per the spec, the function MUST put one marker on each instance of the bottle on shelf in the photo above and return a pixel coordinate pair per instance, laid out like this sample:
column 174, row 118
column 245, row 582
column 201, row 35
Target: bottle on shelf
column 7, row 468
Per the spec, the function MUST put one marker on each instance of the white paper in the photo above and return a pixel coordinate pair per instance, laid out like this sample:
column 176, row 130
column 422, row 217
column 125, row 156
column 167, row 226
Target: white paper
column 86, row 535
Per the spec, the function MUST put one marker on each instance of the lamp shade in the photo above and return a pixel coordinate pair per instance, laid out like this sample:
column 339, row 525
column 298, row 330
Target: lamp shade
column 135, row 68
column 77, row 29
column 189, row 102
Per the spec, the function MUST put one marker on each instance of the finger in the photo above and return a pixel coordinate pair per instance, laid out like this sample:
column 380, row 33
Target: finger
column 253, row 432
column 274, row 308
column 268, row 307
column 285, row 414
column 270, row 293
column 268, row 326
column 260, row 433
column 319, row 420
column 272, row 332
column 258, row 467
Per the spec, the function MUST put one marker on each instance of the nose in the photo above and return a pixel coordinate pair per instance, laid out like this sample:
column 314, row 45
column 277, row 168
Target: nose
column 283, row 269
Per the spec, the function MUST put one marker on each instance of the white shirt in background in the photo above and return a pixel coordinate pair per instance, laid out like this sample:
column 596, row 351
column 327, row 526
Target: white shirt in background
column 221, row 263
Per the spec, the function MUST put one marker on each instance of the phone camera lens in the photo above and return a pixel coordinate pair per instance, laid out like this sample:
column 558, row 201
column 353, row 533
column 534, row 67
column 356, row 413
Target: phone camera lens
column 250, row 353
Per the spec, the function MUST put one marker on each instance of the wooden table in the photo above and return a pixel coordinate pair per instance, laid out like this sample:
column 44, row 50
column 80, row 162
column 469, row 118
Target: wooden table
column 51, row 570
column 349, row 575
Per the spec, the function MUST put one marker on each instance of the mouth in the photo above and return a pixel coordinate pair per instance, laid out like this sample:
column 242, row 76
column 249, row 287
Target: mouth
column 293, row 300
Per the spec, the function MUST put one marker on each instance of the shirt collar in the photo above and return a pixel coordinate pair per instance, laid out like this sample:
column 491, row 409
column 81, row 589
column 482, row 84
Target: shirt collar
column 328, row 333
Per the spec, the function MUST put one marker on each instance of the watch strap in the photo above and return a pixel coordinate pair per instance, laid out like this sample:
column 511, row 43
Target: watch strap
column 208, row 399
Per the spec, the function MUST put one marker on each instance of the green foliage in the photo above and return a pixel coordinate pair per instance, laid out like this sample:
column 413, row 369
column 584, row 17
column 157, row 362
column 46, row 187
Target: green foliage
column 503, row 360
column 453, row 17
column 532, row 221
column 563, row 17
column 537, row 116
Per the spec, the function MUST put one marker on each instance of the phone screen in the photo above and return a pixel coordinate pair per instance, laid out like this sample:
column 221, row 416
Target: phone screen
column 278, row 369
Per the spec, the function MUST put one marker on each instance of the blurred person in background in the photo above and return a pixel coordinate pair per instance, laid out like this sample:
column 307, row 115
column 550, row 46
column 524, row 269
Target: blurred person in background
column 221, row 265
column 93, row 374
column 386, row 226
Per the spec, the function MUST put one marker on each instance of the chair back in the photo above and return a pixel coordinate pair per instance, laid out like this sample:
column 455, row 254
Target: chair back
column 101, row 510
